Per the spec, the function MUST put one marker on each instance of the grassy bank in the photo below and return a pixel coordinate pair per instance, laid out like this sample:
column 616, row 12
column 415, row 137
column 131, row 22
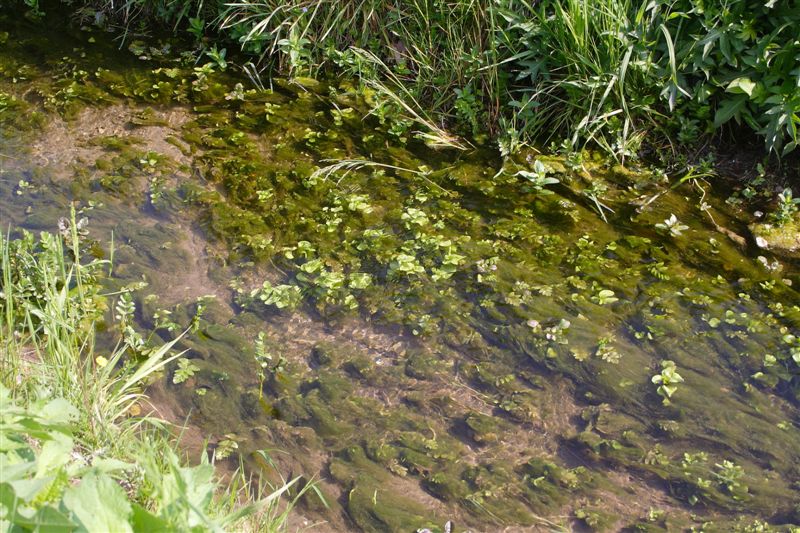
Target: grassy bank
column 617, row 74
column 81, row 449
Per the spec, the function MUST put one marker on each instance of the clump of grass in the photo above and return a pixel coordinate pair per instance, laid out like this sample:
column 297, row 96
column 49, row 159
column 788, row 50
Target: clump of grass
column 585, row 72
column 81, row 452
column 433, row 48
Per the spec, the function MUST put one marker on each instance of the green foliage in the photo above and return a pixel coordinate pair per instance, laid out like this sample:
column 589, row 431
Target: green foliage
column 584, row 69
column 667, row 381
column 186, row 369
column 77, row 453
column 604, row 297
column 672, row 226
column 197, row 27
column 787, row 208
column 439, row 53
column 509, row 242
column 600, row 70
column 218, row 57
column 49, row 485
column 537, row 178
column 729, row 475
column 263, row 359
column 604, row 72
column 404, row 265
column 740, row 57
column 281, row 296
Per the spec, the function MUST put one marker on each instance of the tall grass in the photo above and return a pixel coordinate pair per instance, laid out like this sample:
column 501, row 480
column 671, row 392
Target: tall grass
column 78, row 414
column 435, row 44
column 433, row 48
column 587, row 71
column 610, row 73
column 604, row 72
column 51, row 302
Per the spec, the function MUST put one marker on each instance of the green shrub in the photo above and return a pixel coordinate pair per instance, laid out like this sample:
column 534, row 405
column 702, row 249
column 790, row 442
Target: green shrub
column 741, row 59
column 600, row 70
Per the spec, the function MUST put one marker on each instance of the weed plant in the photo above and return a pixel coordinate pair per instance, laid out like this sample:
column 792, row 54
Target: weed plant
column 79, row 451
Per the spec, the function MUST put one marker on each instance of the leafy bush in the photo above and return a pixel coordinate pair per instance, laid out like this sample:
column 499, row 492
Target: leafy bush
column 601, row 69
column 742, row 58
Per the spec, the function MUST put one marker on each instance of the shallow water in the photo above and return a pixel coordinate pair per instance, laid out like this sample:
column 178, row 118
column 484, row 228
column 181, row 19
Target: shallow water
column 439, row 340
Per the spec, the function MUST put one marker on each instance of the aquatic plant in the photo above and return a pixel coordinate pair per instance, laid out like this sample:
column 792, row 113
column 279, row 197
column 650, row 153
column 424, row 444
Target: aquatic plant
column 186, row 369
column 604, row 297
column 281, row 296
column 787, row 208
column 667, row 381
column 537, row 178
column 263, row 359
column 729, row 475
column 672, row 226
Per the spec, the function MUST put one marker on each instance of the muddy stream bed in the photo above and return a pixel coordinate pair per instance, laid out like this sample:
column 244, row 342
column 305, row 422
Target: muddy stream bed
column 423, row 330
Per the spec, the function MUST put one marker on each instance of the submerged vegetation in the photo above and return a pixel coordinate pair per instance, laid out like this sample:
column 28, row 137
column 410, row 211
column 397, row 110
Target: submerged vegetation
column 441, row 334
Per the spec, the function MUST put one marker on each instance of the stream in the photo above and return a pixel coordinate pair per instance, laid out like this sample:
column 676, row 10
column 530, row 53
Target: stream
column 425, row 331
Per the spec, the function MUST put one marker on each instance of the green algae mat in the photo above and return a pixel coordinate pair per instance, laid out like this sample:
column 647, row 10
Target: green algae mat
column 540, row 343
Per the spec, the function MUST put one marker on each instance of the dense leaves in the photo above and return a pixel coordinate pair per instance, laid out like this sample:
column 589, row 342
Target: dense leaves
column 743, row 58
column 599, row 70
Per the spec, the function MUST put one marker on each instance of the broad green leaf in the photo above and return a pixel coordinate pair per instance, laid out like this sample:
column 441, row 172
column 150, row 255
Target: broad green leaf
column 198, row 485
column 47, row 520
column 729, row 108
column 14, row 471
column 192, row 487
column 741, row 86
column 27, row 489
column 55, row 454
column 144, row 520
column 9, row 441
column 60, row 411
column 108, row 465
column 99, row 504
column 8, row 503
